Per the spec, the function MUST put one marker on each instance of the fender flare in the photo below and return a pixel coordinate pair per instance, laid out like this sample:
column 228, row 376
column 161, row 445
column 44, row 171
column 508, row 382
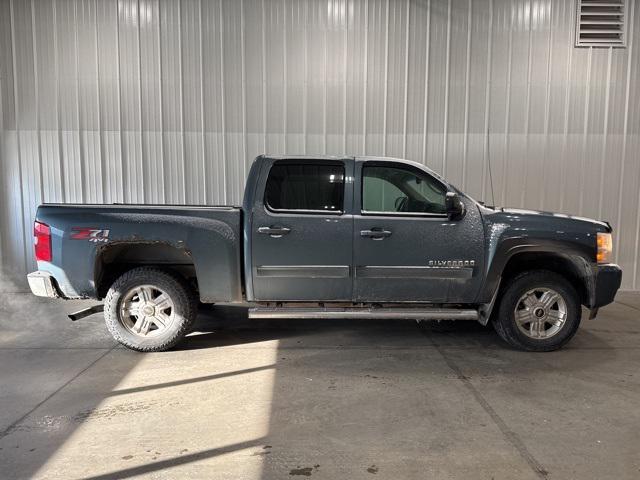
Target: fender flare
column 577, row 253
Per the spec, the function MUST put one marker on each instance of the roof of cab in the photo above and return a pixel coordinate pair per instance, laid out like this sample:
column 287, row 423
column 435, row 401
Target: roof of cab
column 307, row 157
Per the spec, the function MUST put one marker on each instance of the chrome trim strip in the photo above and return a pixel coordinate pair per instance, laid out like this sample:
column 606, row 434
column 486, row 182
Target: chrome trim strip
column 302, row 210
column 370, row 313
column 416, row 272
column 404, row 214
column 303, row 271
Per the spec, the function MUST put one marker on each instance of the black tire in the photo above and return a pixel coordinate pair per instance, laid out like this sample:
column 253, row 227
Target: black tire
column 505, row 322
column 183, row 312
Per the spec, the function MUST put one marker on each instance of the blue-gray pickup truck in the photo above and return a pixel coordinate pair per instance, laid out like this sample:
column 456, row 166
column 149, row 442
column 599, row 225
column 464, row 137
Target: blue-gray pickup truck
column 329, row 237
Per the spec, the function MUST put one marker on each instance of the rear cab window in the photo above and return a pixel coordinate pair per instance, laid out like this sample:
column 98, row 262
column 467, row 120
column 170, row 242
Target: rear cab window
column 305, row 187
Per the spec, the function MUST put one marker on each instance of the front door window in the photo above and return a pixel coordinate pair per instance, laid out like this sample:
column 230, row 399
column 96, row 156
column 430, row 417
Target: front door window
column 391, row 189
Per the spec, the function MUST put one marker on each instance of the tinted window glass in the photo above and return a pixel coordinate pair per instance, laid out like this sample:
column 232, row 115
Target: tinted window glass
column 305, row 187
column 395, row 189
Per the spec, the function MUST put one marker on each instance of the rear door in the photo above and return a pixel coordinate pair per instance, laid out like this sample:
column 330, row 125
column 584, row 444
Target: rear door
column 301, row 233
column 405, row 247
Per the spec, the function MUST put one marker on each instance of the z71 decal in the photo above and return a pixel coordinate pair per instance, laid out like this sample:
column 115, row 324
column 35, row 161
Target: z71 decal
column 95, row 235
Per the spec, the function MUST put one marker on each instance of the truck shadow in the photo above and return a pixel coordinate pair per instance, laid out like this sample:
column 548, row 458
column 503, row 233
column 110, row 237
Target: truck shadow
column 221, row 326
column 227, row 325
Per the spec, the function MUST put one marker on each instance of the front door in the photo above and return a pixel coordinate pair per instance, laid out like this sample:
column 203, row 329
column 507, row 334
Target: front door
column 405, row 247
column 301, row 233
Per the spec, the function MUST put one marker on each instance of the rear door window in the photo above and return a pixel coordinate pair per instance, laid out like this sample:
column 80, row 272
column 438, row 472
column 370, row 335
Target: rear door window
column 314, row 188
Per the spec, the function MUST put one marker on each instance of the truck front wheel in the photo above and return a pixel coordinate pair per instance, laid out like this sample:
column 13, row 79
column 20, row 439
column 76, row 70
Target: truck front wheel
column 539, row 311
column 149, row 310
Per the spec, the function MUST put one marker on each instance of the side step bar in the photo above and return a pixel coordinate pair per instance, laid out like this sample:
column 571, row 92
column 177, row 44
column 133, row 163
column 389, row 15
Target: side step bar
column 371, row 313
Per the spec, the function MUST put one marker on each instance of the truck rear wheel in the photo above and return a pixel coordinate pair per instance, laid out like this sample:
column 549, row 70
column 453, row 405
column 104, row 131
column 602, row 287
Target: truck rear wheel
column 149, row 310
column 539, row 312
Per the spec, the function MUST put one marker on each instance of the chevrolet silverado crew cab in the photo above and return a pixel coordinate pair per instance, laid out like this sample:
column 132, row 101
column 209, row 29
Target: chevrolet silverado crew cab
column 329, row 237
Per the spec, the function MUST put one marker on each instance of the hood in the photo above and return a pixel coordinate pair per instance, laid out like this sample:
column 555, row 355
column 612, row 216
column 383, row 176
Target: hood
column 539, row 220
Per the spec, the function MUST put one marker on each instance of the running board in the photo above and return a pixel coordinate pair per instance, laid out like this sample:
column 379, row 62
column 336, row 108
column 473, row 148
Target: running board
column 370, row 313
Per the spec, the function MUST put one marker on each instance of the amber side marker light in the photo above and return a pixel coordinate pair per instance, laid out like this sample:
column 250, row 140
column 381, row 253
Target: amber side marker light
column 605, row 248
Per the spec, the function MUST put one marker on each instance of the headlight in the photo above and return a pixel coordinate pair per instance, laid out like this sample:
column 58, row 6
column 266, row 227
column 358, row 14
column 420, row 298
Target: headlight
column 605, row 248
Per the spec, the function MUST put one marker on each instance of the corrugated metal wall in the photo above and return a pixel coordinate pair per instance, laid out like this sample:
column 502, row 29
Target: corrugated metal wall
column 156, row 101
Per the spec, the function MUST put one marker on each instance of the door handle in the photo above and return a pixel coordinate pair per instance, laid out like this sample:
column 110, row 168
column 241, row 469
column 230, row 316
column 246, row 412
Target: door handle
column 375, row 233
column 275, row 232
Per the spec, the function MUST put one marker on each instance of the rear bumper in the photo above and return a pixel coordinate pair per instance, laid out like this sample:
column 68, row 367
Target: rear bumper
column 43, row 284
column 607, row 279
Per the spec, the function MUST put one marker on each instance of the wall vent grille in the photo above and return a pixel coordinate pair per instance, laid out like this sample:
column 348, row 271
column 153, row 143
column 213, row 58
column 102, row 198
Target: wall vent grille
column 601, row 23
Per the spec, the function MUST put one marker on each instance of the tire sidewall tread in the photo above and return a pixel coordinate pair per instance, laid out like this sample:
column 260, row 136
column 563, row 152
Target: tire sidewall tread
column 183, row 298
column 506, row 327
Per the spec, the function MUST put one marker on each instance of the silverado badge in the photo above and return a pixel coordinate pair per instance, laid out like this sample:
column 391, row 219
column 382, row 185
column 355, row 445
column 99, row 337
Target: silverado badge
column 452, row 263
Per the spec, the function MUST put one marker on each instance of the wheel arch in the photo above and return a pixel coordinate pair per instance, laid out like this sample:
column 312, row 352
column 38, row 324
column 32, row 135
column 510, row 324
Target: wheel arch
column 516, row 254
column 571, row 267
column 115, row 259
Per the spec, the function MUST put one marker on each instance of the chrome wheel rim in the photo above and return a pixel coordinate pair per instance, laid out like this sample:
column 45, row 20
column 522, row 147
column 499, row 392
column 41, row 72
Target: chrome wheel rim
column 147, row 311
column 540, row 313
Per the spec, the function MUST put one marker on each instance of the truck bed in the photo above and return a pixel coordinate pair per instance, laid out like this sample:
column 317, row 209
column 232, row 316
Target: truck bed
column 88, row 241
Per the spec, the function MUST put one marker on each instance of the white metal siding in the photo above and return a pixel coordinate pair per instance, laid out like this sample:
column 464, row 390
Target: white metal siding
column 169, row 101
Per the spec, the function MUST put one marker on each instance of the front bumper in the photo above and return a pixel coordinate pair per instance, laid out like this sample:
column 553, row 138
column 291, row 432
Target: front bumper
column 607, row 279
column 43, row 284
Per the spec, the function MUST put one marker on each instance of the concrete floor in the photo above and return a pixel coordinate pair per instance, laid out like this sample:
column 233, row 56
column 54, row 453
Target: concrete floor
column 332, row 399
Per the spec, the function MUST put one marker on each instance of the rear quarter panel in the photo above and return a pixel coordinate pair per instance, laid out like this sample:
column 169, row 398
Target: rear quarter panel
column 211, row 236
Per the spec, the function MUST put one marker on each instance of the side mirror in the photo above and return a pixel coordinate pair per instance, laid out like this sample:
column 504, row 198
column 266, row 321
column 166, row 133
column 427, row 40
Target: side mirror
column 455, row 207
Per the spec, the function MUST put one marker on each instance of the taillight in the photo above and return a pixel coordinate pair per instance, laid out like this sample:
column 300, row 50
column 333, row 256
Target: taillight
column 42, row 241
